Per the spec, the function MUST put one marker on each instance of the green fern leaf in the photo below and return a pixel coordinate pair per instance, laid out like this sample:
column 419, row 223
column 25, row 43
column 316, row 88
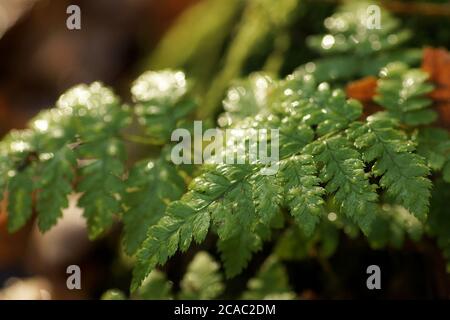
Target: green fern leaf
column 303, row 195
column 434, row 146
column 349, row 39
column 343, row 173
column 402, row 92
column 20, row 188
column 403, row 173
column 17, row 171
column 294, row 244
column 348, row 32
column 271, row 282
column 101, row 184
column 155, row 287
column 203, row 280
column 150, row 187
column 237, row 251
column 392, row 225
column 316, row 106
column 113, row 294
column 176, row 229
column 55, row 184
column 162, row 100
column 245, row 98
column 267, row 193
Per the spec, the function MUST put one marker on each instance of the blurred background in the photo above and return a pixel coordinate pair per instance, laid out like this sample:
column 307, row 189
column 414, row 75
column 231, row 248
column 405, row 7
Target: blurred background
column 40, row 57
column 119, row 39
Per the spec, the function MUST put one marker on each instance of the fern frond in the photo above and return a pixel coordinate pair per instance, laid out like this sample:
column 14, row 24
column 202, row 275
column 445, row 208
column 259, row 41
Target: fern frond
column 294, row 244
column 151, row 185
column 348, row 32
column 392, row 225
column 267, row 193
column 101, row 184
column 434, row 146
column 155, row 287
column 349, row 39
column 301, row 99
column 176, row 229
column 402, row 92
column 84, row 125
column 113, row 294
column 20, row 208
column 202, row 279
column 55, row 184
column 271, row 282
column 162, row 101
column 246, row 97
column 403, row 173
column 343, row 173
column 303, row 195
column 236, row 251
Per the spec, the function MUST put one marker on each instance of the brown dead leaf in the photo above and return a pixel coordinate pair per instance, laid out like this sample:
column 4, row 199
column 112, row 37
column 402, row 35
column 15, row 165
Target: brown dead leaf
column 436, row 61
column 362, row 89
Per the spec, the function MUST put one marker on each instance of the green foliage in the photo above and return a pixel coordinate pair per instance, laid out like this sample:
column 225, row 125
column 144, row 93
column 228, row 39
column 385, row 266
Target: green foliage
column 294, row 244
column 162, row 101
column 151, row 185
column 234, row 198
column 348, row 39
column 155, row 287
column 402, row 172
column 392, row 225
column 434, row 146
column 55, row 185
column 401, row 91
column 84, row 125
column 174, row 231
column 348, row 32
column 202, row 280
column 101, row 184
column 193, row 40
column 237, row 251
column 245, row 98
column 189, row 218
column 302, row 191
column 271, row 282
column 343, row 173
column 326, row 156
column 113, row 294
column 100, row 119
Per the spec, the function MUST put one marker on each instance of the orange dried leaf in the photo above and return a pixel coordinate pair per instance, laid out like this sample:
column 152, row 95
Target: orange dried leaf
column 436, row 62
column 363, row 89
